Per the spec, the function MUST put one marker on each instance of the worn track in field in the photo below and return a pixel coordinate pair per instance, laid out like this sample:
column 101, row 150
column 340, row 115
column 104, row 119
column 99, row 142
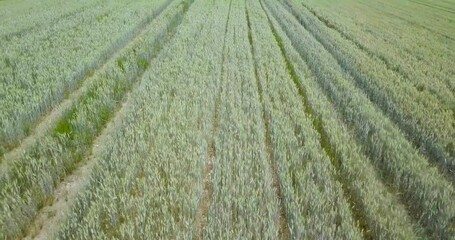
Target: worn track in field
column 27, row 30
column 434, row 6
column 46, row 223
column 284, row 232
column 50, row 120
column 427, row 148
column 402, row 195
column 354, row 202
column 206, row 199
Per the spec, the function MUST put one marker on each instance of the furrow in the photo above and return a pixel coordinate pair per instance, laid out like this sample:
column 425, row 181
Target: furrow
column 389, row 65
column 426, row 145
column 394, row 158
column 86, row 80
column 434, row 6
column 402, row 18
column 284, row 232
column 67, row 190
column 49, row 121
column 206, row 198
column 61, row 197
column 28, row 30
column 354, row 202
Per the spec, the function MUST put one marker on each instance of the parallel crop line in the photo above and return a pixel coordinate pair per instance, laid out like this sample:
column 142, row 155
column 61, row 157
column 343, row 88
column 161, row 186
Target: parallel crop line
column 411, row 22
column 426, row 146
column 358, row 44
column 80, row 80
column 48, row 121
column 407, row 196
column 195, row 38
column 350, row 196
column 81, row 174
column 284, row 232
column 434, row 6
column 76, row 24
column 389, row 65
column 206, row 199
column 27, row 30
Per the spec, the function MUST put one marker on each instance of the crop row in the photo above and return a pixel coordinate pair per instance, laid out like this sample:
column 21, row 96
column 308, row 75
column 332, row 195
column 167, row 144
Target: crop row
column 425, row 192
column 427, row 123
column 150, row 170
column 317, row 206
column 374, row 207
column 419, row 55
column 23, row 18
column 28, row 182
column 244, row 204
column 39, row 71
column 422, row 108
column 255, row 119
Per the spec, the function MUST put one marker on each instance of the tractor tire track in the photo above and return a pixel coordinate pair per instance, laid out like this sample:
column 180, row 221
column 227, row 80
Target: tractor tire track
column 49, row 121
column 434, row 6
column 407, row 197
column 27, row 30
column 352, row 199
column 206, row 199
column 55, row 27
column 45, row 224
column 427, row 147
column 370, row 53
column 398, row 16
column 389, row 65
column 284, row 232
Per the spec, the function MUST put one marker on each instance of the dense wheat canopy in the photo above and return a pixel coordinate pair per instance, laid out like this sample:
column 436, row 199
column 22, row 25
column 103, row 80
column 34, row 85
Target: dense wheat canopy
column 234, row 119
